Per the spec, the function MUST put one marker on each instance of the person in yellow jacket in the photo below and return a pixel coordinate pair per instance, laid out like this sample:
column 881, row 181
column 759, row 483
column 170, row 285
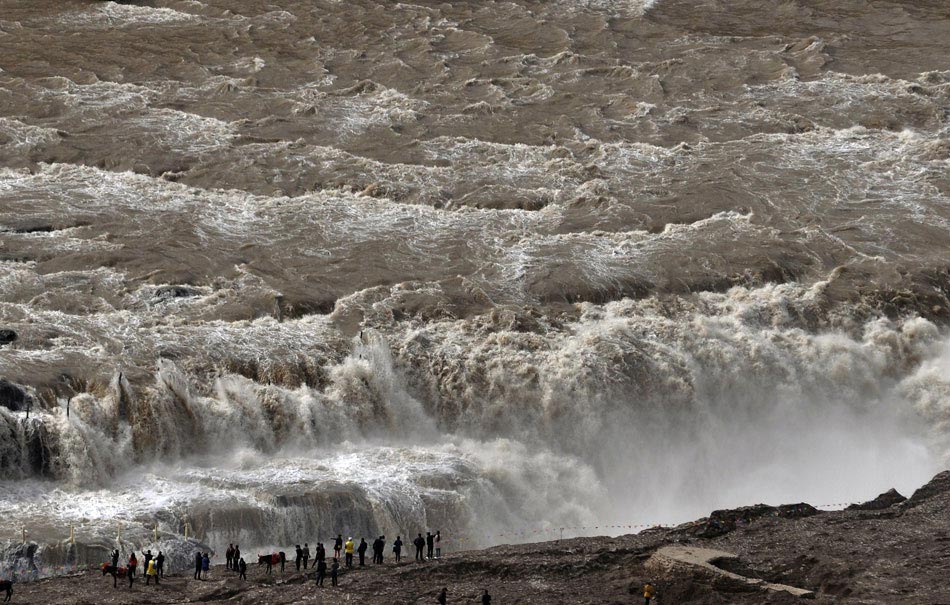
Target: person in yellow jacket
column 648, row 593
column 348, row 550
column 151, row 573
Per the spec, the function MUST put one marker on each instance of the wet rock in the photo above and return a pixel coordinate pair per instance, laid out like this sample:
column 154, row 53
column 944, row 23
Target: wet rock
column 171, row 292
column 39, row 449
column 13, row 396
column 34, row 228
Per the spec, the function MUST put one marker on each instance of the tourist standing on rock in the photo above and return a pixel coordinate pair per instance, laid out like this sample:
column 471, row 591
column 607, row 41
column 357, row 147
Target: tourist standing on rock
column 306, row 555
column 160, row 564
column 438, row 544
column 382, row 548
column 334, row 571
column 283, row 560
column 361, row 549
column 133, row 563
column 229, row 556
column 115, row 559
column 205, row 565
column 338, row 546
column 115, row 575
column 419, row 543
column 348, row 548
column 237, row 552
column 430, row 543
column 299, row 558
column 486, row 598
column 397, row 549
column 321, row 571
column 648, row 593
column 242, row 567
column 198, row 562
column 148, row 558
column 443, row 597
column 151, row 573
column 321, row 551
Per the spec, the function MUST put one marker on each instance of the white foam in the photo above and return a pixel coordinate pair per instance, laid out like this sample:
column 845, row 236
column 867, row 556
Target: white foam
column 111, row 14
column 22, row 138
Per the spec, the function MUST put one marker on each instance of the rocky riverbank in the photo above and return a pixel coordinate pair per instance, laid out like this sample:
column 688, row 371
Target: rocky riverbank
column 890, row 550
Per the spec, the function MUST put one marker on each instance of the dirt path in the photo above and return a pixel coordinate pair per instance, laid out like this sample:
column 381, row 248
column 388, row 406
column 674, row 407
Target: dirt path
column 703, row 560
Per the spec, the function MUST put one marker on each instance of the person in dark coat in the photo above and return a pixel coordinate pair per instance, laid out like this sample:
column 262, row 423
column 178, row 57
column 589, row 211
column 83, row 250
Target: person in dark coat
column 361, row 551
column 242, row 568
column 443, row 597
column 321, row 571
column 397, row 549
column 306, row 555
column 115, row 559
column 148, row 557
column 338, row 546
column 419, row 543
column 237, row 552
column 486, row 598
column 299, row 558
column 160, row 564
column 283, row 560
column 430, row 545
column 321, row 551
column 229, row 556
column 198, row 562
column 334, row 571
column 205, row 565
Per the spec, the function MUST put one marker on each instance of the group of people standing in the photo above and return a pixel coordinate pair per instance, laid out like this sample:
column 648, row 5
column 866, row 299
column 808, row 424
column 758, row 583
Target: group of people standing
column 202, row 565
column 346, row 549
column 233, row 560
column 427, row 548
column 430, row 543
column 153, row 567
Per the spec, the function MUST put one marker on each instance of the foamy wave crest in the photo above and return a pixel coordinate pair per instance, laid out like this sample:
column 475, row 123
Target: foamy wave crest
column 111, row 14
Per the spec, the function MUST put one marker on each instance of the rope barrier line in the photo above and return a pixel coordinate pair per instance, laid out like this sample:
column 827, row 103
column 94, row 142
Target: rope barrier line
column 560, row 530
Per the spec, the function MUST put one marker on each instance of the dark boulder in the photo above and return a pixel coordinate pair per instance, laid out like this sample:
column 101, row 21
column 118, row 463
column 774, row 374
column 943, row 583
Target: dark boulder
column 7, row 336
column 885, row 500
column 13, row 396
column 724, row 521
column 166, row 293
column 40, row 449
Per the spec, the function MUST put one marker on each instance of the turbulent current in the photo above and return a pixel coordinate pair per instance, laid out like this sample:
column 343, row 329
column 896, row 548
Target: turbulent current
column 270, row 271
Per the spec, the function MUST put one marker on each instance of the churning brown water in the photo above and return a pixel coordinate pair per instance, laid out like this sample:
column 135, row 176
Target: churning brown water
column 299, row 267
